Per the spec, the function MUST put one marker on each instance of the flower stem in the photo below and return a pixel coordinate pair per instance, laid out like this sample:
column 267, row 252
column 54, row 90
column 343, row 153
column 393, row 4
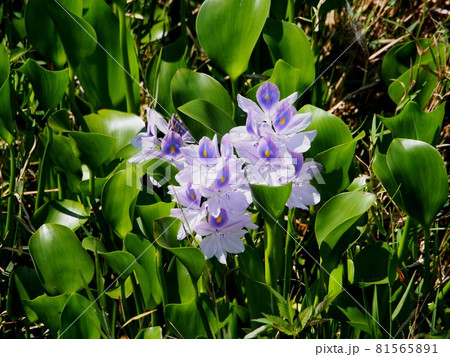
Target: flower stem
column 288, row 254
column 43, row 171
column 234, row 93
column 426, row 254
column 12, row 187
column 273, row 249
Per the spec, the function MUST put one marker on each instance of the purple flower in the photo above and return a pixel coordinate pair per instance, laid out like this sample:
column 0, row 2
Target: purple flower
column 303, row 193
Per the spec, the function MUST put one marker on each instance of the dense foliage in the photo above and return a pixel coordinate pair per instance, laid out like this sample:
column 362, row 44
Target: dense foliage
column 103, row 105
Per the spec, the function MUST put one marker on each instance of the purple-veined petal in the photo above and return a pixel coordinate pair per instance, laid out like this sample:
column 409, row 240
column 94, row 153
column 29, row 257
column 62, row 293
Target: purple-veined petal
column 171, row 144
column 207, row 149
column 246, row 105
column 302, row 196
column 267, row 96
column 267, row 149
column 297, row 161
column 155, row 121
column 209, row 246
column 298, row 122
column 283, row 116
column 226, row 147
column 232, row 243
column 300, row 142
column 218, row 221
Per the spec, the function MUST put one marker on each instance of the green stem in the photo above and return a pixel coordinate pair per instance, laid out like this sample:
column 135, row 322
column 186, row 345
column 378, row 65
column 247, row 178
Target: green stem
column 288, row 254
column 43, row 171
column 440, row 297
column 290, row 11
column 126, row 63
column 12, row 187
column 426, row 254
column 272, row 253
column 404, row 240
column 73, row 105
column 101, row 220
column 234, row 93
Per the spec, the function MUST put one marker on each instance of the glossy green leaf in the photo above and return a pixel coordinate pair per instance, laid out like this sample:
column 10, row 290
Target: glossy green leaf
column 6, row 115
column 77, row 36
column 49, row 86
column 331, row 131
column 238, row 25
column 384, row 174
column 93, row 244
column 48, row 309
column 371, row 263
column 63, row 266
column 287, row 41
column 124, row 263
column 250, row 264
column 188, row 85
column 119, row 125
column 42, row 33
column 185, row 320
column 149, row 213
column 79, row 319
column 94, row 149
column 418, row 85
column 166, row 230
column 23, row 285
column 337, row 215
column 118, row 200
column 270, row 201
column 181, row 288
column 146, row 256
column 68, row 213
column 399, row 58
column 420, row 172
column 413, row 123
column 63, row 158
column 150, row 333
column 160, row 71
column 289, row 79
column 213, row 120
column 103, row 73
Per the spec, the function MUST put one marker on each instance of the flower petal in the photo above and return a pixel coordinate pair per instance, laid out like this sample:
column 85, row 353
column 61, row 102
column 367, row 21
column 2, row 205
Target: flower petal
column 267, row 96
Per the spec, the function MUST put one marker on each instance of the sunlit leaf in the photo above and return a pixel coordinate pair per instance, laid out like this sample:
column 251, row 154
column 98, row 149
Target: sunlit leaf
column 413, row 123
column 66, row 212
column 63, row 266
column 6, row 115
column 48, row 309
column 420, row 172
column 95, row 149
column 237, row 25
column 270, row 200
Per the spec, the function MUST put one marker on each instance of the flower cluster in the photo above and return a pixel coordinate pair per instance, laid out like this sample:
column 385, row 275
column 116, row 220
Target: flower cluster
column 213, row 194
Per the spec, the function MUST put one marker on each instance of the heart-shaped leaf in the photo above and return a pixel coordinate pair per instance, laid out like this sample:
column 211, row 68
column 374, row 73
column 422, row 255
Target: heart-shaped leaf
column 149, row 213
column 237, row 24
column 79, row 319
column 68, row 213
column 95, row 149
column 270, row 201
column 213, row 119
column 287, row 41
column 420, row 172
column 63, row 266
column 337, row 215
column 413, row 123
column 48, row 309
column 49, row 86
column 185, row 320
column 118, row 200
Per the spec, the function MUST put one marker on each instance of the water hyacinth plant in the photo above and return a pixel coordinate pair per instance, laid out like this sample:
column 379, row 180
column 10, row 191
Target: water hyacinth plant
column 223, row 169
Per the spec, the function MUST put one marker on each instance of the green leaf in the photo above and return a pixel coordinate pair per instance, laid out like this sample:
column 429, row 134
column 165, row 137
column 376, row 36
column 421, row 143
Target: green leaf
column 213, row 119
column 118, row 200
column 238, row 25
column 384, row 174
column 60, row 121
column 49, row 86
column 399, row 306
column 79, row 319
column 287, row 41
column 270, row 201
column 48, row 309
column 161, row 70
column 289, row 79
column 23, row 285
column 399, row 58
column 62, row 265
column 251, row 265
column 337, row 215
column 185, row 320
column 420, row 172
column 6, row 115
column 418, row 85
column 95, row 149
column 193, row 259
column 150, row 333
column 103, row 73
column 71, row 214
column 146, row 255
column 77, row 36
column 41, row 31
column 413, row 123
column 119, row 125
column 371, row 263
column 188, row 85
column 149, row 213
